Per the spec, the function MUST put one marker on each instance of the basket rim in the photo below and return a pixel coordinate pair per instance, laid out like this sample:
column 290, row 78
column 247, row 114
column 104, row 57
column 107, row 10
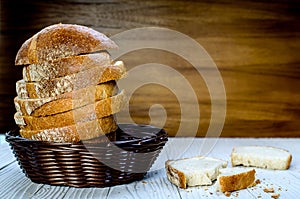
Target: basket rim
column 160, row 132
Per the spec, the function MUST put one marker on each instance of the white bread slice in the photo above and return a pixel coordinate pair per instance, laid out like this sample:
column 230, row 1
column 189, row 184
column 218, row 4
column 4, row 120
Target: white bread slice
column 194, row 171
column 66, row 101
column 58, row 86
column 75, row 132
column 233, row 179
column 64, row 66
column 89, row 112
column 61, row 40
column 261, row 156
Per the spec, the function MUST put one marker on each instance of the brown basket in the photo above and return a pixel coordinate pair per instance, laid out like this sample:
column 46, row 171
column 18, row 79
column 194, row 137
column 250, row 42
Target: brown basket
column 90, row 163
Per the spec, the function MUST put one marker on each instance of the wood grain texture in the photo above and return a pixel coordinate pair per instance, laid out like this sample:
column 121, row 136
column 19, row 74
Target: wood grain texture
column 12, row 176
column 14, row 184
column 255, row 45
column 6, row 155
column 83, row 193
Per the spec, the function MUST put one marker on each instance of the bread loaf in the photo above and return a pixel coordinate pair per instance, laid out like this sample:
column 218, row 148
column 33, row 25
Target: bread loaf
column 233, row 179
column 194, row 171
column 64, row 66
column 261, row 156
column 65, row 102
column 75, row 132
column 69, row 83
column 89, row 112
column 61, row 40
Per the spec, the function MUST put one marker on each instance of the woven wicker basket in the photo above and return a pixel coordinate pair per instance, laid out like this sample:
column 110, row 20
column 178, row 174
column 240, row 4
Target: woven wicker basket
column 91, row 163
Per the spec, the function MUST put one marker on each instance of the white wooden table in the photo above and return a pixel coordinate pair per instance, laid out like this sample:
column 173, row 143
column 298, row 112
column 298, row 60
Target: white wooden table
column 14, row 184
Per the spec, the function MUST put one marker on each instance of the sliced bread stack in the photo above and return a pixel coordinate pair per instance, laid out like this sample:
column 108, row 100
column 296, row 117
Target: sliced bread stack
column 68, row 92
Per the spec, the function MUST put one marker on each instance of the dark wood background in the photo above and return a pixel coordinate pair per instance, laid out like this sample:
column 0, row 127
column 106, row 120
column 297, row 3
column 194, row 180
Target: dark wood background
column 255, row 45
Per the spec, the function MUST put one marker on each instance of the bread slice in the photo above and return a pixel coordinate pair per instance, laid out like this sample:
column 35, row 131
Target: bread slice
column 66, row 101
column 75, row 132
column 89, row 112
column 194, row 171
column 233, row 179
column 61, row 40
column 261, row 156
column 69, row 83
column 64, row 66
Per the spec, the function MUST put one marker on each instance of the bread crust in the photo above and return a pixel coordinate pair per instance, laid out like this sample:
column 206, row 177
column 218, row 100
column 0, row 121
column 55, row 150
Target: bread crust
column 237, row 181
column 74, row 133
column 64, row 66
column 61, row 40
column 66, row 101
column 174, row 173
column 288, row 163
column 69, row 83
column 89, row 112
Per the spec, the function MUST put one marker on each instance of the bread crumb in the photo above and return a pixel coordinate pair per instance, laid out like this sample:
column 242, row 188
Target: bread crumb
column 275, row 195
column 256, row 182
column 237, row 194
column 227, row 194
column 269, row 190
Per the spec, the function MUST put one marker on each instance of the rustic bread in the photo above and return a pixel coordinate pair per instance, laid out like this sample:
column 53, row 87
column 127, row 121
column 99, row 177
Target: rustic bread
column 89, row 112
column 193, row 171
column 58, row 86
column 64, row 66
column 233, row 179
column 61, row 40
column 75, row 132
column 66, row 101
column 261, row 156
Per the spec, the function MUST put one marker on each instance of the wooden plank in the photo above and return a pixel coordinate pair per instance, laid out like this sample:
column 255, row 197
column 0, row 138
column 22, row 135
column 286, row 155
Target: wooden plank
column 178, row 148
column 6, row 155
column 48, row 191
column 86, row 193
column 210, row 192
column 155, row 185
column 14, row 184
column 2, row 139
column 281, row 181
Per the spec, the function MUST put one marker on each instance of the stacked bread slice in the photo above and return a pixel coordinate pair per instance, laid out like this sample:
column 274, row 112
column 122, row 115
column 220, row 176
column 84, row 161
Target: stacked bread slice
column 68, row 92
